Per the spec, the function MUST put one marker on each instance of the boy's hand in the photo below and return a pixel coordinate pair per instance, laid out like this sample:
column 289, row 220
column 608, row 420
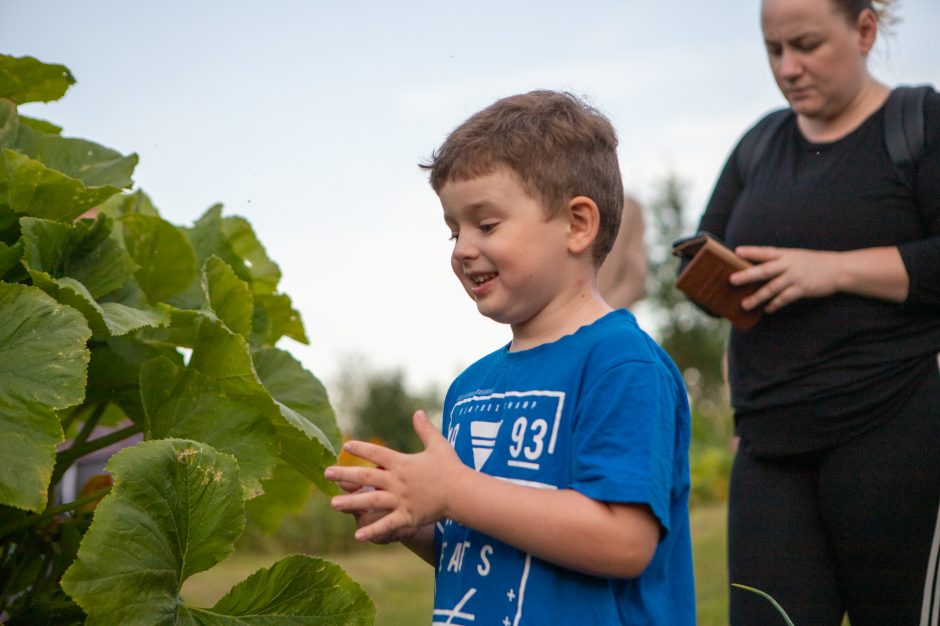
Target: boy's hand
column 412, row 490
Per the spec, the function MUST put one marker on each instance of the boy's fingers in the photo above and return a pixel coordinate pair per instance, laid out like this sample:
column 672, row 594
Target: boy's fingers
column 348, row 487
column 424, row 428
column 380, row 528
column 364, row 500
column 379, row 455
column 358, row 476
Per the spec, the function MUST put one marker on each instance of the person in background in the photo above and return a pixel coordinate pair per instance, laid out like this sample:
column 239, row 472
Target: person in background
column 835, row 487
column 558, row 490
column 622, row 278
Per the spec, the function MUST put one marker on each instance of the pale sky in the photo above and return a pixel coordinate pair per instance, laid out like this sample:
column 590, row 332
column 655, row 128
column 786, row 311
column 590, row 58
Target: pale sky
column 308, row 118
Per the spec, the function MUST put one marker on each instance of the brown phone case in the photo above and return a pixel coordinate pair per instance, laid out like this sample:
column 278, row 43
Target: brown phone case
column 705, row 279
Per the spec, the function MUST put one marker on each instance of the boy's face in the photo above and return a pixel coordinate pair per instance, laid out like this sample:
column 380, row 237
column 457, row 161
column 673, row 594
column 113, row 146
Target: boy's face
column 510, row 258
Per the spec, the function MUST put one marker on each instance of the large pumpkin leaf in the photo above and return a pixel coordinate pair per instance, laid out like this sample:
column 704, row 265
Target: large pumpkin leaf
column 29, row 187
column 287, row 491
column 223, row 355
column 176, row 509
column 208, row 239
column 85, row 251
column 108, row 319
column 42, row 368
column 128, row 203
column 228, row 296
column 40, row 125
column 298, row 589
column 275, row 317
column 167, row 261
column 114, row 373
column 182, row 403
column 232, row 240
column 26, row 79
column 265, row 273
column 9, row 256
column 287, row 380
column 89, row 162
column 9, row 123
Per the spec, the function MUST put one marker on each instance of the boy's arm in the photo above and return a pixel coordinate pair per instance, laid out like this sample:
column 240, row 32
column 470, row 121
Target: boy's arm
column 560, row 526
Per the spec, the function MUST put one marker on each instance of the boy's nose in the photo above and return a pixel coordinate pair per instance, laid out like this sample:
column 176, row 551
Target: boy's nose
column 464, row 248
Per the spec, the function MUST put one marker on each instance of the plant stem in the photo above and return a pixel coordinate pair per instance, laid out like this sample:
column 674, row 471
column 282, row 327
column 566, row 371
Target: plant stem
column 89, row 426
column 73, row 414
column 81, row 446
column 50, row 513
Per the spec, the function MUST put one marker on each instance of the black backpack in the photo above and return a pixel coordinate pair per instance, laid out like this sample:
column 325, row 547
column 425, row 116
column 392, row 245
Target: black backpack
column 904, row 133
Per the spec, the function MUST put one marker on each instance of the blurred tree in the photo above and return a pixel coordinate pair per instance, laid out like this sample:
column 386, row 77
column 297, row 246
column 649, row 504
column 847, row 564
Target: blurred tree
column 378, row 405
column 694, row 340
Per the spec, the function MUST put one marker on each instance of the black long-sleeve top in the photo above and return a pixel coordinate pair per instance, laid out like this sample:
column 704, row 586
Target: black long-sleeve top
column 821, row 370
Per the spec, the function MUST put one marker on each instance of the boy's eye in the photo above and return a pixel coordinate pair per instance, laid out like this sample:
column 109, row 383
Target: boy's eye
column 774, row 50
column 453, row 236
column 488, row 227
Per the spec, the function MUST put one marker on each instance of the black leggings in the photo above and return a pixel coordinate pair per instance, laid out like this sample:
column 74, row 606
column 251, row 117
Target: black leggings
column 854, row 528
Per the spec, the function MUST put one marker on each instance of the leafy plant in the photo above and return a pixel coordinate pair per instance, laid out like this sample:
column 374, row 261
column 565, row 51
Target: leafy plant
column 769, row 598
column 116, row 326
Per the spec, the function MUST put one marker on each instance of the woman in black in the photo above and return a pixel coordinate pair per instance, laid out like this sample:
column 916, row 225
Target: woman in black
column 835, row 488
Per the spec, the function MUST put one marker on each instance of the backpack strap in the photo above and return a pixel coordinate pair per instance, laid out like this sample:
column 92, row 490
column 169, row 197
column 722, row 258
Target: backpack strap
column 754, row 142
column 905, row 136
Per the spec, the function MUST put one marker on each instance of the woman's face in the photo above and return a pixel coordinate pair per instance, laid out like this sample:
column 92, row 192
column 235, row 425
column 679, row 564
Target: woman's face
column 818, row 57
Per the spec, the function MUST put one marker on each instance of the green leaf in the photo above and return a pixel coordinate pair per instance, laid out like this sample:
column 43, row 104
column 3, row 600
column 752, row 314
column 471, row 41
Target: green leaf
column 9, row 123
column 274, row 317
column 223, row 356
column 91, row 163
column 232, row 240
column 287, row 380
column 297, row 589
column 769, row 598
column 127, row 203
column 287, row 491
column 208, row 240
column 40, row 125
column 227, row 295
column 176, row 509
column 29, row 187
column 182, row 403
column 26, row 79
column 109, row 319
column 83, row 250
column 167, row 261
column 9, row 256
column 114, row 373
column 265, row 273
column 42, row 369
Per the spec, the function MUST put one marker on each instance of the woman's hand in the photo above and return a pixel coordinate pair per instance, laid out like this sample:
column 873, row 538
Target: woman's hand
column 794, row 273
column 790, row 274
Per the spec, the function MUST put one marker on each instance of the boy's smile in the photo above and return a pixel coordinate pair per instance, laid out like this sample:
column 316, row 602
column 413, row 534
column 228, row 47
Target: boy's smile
column 511, row 259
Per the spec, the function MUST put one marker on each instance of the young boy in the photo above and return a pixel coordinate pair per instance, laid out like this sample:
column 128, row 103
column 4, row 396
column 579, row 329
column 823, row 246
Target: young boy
column 560, row 493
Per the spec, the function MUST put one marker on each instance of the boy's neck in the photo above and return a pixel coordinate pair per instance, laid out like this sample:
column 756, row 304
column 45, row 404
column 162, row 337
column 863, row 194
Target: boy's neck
column 560, row 319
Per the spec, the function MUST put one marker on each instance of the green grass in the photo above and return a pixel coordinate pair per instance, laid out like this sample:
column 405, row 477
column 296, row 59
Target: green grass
column 402, row 585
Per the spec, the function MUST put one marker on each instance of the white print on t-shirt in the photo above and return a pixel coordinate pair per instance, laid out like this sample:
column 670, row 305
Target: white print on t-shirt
column 513, row 597
column 531, row 433
column 511, row 436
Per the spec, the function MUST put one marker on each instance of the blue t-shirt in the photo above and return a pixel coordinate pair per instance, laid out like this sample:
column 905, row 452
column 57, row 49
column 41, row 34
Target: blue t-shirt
column 604, row 412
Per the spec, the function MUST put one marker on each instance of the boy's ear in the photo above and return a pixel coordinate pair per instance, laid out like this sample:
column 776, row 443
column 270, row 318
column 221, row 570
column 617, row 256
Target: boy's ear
column 584, row 221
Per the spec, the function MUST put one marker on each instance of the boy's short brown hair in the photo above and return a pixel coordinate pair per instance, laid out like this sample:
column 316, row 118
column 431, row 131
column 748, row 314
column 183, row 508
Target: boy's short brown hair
column 559, row 146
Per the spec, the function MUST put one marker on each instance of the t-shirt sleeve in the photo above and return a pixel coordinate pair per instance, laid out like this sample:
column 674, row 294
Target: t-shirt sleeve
column 626, row 447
